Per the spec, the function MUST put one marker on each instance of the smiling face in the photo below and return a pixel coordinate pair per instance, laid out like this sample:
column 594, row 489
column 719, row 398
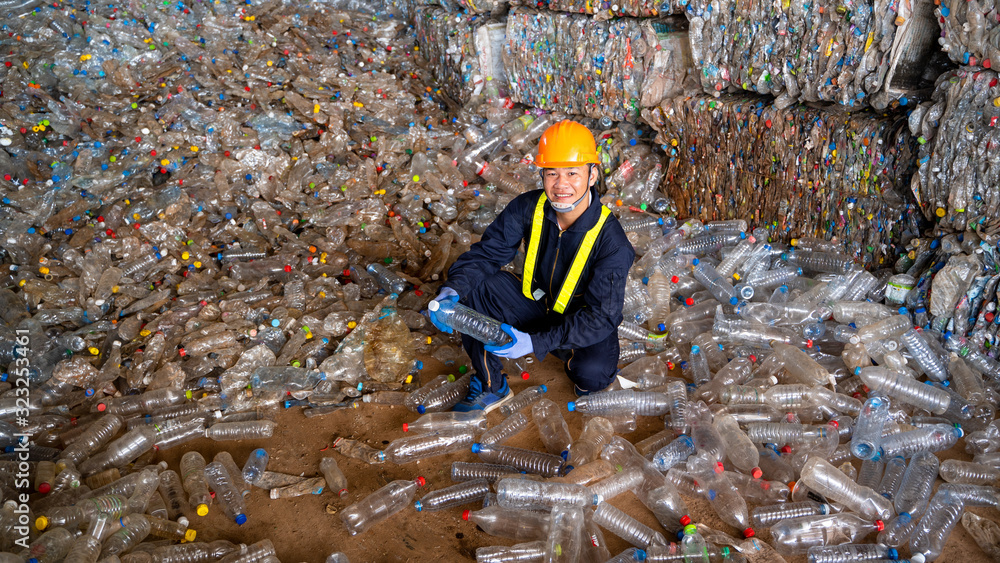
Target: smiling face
column 564, row 186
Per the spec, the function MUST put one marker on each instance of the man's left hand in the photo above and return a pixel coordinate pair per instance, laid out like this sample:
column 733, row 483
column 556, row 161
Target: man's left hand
column 520, row 344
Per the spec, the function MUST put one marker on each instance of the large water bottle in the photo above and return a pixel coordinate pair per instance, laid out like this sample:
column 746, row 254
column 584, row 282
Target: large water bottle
column 943, row 513
column 379, row 505
column 626, row 527
column 515, row 524
column 523, row 493
column 227, row 495
column 468, row 321
column 552, row 427
column 868, row 428
column 455, row 495
column 822, row 477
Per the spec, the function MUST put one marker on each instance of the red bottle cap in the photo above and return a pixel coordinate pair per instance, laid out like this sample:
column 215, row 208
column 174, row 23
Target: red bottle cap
column 749, row 533
column 101, row 407
column 879, row 525
column 525, row 375
column 719, row 468
column 465, row 515
column 44, row 488
column 421, row 481
column 406, row 427
column 685, row 520
column 756, row 472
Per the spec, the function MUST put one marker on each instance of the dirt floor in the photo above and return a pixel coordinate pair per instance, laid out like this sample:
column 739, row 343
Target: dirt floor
column 308, row 528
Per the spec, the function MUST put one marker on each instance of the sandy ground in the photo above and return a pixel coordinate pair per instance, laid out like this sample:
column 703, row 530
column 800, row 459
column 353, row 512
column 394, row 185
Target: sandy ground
column 308, row 528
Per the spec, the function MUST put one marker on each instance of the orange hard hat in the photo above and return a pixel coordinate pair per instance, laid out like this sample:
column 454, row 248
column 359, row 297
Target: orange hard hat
column 566, row 144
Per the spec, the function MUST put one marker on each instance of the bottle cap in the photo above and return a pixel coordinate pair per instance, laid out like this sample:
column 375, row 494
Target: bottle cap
column 433, row 306
column 420, row 481
column 892, row 553
column 543, row 388
column 189, row 535
column 418, row 506
column 476, row 447
column 406, row 427
column 639, row 555
column 342, row 492
column 465, row 514
column 690, row 529
column 918, row 557
column 44, row 488
column 685, row 520
column 756, row 472
column 101, row 407
column 749, row 533
column 41, row 522
column 571, row 406
column 202, row 509
column 421, row 409
column 879, row 525
column 241, row 519
column 183, row 521
column 525, row 375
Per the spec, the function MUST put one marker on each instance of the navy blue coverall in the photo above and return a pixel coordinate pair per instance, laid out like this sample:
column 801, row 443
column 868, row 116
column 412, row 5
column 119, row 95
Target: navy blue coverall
column 585, row 336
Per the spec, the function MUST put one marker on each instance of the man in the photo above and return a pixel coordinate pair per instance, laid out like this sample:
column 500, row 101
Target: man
column 577, row 261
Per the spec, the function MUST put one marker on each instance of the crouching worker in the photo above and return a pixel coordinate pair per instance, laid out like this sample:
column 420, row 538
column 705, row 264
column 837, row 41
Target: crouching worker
column 568, row 300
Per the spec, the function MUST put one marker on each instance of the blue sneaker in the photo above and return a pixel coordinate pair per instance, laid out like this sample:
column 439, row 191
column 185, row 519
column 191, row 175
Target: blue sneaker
column 486, row 401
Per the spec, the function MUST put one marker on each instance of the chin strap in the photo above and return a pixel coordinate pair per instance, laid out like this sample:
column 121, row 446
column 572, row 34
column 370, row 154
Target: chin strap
column 567, row 207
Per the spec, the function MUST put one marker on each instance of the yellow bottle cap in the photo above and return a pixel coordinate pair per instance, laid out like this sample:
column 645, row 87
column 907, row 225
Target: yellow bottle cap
column 41, row 522
column 189, row 535
column 202, row 509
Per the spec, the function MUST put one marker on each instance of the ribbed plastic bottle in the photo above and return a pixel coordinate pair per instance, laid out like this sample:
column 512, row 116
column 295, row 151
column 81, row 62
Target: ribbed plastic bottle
column 379, row 505
column 917, row 485
column 470, row 322
column 905, row 389
column 924, row 355
column 596, row 433
column 719, row 287
column 969, row 473
column 87, row 548
column 134, row 529
column 465, row 471
column 851, row 552
column 446, row 396
column 521, row 493
column 121, row 451
column 226, row 494
column 552, row 427
column 797, row 535
column 674, row 453
column 867, row 434
column 608, row 488
column 892, row 477
column 455, row 495
column 447, row 421
column 739, row 449
column 520, row 553
column 530, row 461
column 942, row 515
column 934, row 438
column 769, row 515
column 243, row 430
column 523, row 399
column 626, row 527
column 96, row 435
column 412, row 448
column 720, row 492
column 511, row 426
column 819, row 475
column 515, row 524
column 358, row 450
column 388, row 280
column 255, row 465
column 192, row 472
column 646, row 403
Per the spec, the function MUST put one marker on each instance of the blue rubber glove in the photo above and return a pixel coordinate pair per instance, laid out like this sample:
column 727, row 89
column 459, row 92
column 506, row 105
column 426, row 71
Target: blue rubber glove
column 446, row 294
column 520, row 344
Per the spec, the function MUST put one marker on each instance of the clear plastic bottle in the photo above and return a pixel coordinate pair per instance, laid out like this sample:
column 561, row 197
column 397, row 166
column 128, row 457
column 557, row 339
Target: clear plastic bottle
column 379, row 505
column 515, row 524
column 412, row 448
column 898, row 531
column 895, row 468
column 905, row 389
column 447, row 421
column 122, row 451
column 358, row 450
column 523, row 399
column 523, row 493
column 470, row 322
column 942, row 515
column 99, row 433
column 740, row 451
column 464, row 471
column 87, row 548
column 850, row 552
column 530, row 461
column 388, row 280
column 446, row 396
column 934, row 438
column 718, row 286
column 924, row 355
column 511, row 426
column 819, row 475
column 134, row 529
column 552, row 428
column 867, row 434
column 969, row 473
column 918, row 482
column 455, row 495
column 626, row 527
column 172, row 491
column 613, row 485
column 192, row 472
column 769, row 515
column 528, row 552
column 797, row 535
column 226, row 493
column 335, row 479
column 720, row 492
column 645, row 403
column 255, row 465
column 416, row 398
column 674, row 453
column 243, row 430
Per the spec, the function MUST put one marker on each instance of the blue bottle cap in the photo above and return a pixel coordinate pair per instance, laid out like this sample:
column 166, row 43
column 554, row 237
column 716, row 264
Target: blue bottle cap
column 571, row 406
column 241, row 519
column 733, row 300
column 639, row 555
column 476, row 447
column 421, row 409
column 695, row 262
column 543, row 388
column 418, row 505
column 902, row 310
column 743, row 236
column 857, row 371
column 695, row 349
column 892, row 553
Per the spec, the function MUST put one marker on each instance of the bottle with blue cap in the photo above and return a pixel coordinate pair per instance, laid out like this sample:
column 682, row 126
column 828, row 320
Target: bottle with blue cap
column 380, row 505
column 645, row 403
column 524, row 398
column 851, row 552
column 455, row 495
column 255, row 465
column 719, row 287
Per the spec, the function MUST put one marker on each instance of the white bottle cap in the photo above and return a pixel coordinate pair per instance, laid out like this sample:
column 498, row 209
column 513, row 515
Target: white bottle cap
column 433, row 306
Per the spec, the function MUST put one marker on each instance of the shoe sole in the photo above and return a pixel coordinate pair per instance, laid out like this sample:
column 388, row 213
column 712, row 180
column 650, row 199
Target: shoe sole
column 498, row 404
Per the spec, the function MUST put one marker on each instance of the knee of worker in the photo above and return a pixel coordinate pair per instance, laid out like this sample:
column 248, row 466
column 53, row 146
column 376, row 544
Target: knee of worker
column 500, row 297
column 594, row 368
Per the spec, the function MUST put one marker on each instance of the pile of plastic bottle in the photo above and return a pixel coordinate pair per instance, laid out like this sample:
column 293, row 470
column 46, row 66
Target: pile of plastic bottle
column 969, row 33
column 215, row 210
column 811, row 171
column 856, row 54
column 955, row 181
column 629, row 64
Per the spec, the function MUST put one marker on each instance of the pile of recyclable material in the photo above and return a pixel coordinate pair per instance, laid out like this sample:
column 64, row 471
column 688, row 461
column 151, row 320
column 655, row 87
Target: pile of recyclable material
column 855, row 54
column 955, row 184
column 801, row 171
column 969, row 32
column 606, row 9
column 602, row 69
column 463, row 50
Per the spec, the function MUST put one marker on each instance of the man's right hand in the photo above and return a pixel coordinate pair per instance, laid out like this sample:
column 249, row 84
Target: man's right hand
column 446, row 294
